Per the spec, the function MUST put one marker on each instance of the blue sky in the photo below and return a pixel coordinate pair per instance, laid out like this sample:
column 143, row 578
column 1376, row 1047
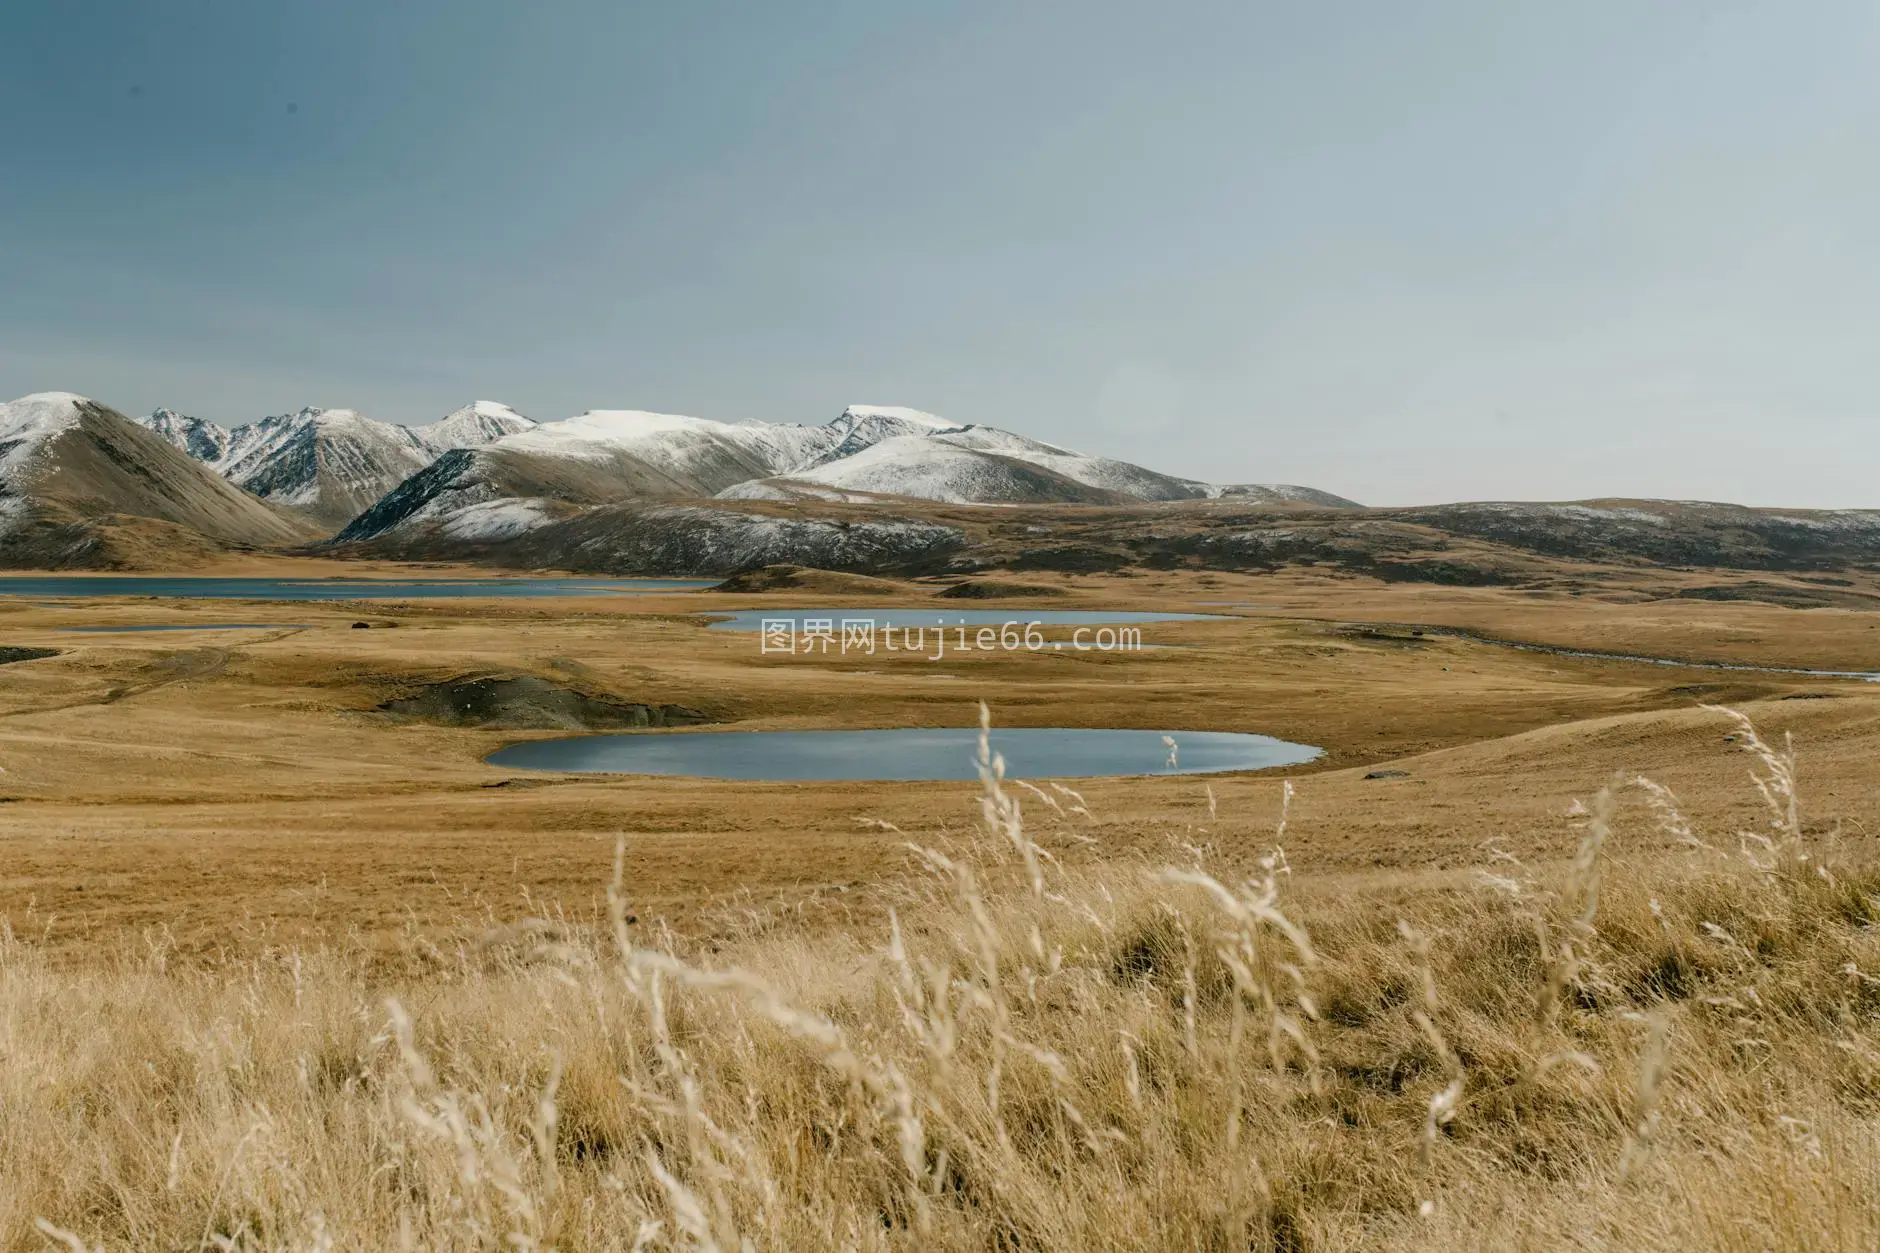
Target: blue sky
column 1406, row 252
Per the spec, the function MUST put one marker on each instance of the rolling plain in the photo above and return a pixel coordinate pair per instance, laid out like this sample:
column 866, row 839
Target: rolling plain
column 287, row 965
column 236, row 786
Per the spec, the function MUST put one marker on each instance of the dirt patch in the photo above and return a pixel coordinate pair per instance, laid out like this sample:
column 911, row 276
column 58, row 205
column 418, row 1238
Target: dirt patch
column 996, row 589
column 528, row 703
column 11, row 654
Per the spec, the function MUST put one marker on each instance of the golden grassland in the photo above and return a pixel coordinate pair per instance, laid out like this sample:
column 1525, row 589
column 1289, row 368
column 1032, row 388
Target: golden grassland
column 1666, row 1049
column 223, row 784
column 282, row 971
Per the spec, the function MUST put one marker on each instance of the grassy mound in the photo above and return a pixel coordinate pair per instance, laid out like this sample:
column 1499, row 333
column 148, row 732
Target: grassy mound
column 527, row 702
column 999, row 589
column 784, row 578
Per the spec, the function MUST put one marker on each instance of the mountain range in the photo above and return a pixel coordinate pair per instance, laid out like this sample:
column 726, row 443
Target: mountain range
column 876, row 489
column 868, row 453
column 486, row 474
column 329, row 465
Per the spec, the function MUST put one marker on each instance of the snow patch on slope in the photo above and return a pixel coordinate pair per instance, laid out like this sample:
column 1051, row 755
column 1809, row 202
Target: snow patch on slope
column 1587, row 513
column 785, row 488
column 1844, row 521
column 13, row 513
column 493, row 520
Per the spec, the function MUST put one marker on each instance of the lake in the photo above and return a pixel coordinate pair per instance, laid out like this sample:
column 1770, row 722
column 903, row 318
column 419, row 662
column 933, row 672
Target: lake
column 903, row 754
column 333, row 589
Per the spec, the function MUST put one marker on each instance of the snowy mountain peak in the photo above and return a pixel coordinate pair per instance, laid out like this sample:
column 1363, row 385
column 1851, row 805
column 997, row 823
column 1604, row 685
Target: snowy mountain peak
column 494, row 409
column 328, row 464
column 898, row 413
column 200, row 438
column 325, row 417
column 42, row 412
column 861, row 427
column 27, row 424
column 472, row 426
column 602, row 434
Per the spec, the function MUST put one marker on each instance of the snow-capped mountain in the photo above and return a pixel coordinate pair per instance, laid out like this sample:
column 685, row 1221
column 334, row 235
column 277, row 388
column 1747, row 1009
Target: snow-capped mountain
column 598, row 457
column 81, row 485
column 345, row 471
column 472, row 426
column 200, row 438
column 330, row 464
column 867, row 452
column 27, row 425
column 928, row 467
column 327, row 464
column 916, row 454
column 863, row 426
column 697, row 455
column 886, row 450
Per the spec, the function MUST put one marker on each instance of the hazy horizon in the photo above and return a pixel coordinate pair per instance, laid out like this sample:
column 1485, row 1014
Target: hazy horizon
column 1481, row 251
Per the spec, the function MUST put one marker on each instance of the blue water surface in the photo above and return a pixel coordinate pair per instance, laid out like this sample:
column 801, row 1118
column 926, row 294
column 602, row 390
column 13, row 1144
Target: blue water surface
column 903, row 754
column 332, row 589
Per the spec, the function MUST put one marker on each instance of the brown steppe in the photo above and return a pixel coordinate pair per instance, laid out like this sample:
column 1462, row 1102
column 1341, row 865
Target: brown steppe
column 240, row 789
column 280, row 970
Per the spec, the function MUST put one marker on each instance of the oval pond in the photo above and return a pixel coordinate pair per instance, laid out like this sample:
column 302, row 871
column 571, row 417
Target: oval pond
column 903, row 754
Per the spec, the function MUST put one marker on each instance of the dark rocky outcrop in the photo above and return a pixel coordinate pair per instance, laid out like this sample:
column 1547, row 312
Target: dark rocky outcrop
column 528, row 703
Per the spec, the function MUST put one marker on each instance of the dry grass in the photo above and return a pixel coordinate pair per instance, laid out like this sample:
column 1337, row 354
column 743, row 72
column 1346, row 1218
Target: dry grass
column 261, row 785
column 1664, row 1051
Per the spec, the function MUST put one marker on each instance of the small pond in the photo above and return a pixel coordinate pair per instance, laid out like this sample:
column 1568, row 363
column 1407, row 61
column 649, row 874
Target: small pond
column 333, row 589
column 904, row 753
